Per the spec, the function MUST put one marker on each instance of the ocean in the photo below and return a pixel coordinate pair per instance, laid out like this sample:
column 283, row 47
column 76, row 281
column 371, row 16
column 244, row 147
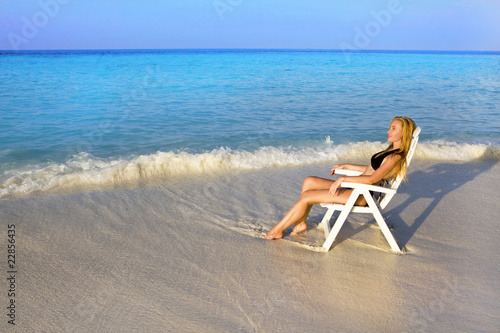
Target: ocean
column 70, row 119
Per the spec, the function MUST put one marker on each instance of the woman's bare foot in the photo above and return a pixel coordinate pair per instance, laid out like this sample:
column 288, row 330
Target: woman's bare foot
column 273, row 235
column 300, row 227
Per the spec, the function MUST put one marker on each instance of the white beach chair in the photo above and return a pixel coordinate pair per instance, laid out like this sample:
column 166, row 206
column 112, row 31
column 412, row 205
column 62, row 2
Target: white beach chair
column 377, row 201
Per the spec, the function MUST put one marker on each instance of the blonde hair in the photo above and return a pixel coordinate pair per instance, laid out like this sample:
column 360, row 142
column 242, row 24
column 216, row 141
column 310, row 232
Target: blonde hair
column 408, row 127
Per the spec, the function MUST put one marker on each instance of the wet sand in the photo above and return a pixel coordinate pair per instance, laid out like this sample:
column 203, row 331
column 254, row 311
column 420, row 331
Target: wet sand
column 189, row 256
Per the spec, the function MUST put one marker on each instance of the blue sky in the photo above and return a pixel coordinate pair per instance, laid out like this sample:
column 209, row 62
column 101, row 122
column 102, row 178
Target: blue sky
column 316, row 24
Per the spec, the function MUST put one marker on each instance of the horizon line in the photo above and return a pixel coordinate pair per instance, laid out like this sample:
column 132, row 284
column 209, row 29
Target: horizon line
column 354, row 50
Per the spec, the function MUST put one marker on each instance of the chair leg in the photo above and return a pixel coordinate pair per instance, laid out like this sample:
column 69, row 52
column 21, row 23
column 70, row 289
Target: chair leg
column 340, row 220
column 382, row 224
column 335, row 230
column 326, row 221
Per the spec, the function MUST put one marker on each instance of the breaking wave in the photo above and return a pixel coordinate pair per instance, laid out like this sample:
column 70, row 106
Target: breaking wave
column 86, row 170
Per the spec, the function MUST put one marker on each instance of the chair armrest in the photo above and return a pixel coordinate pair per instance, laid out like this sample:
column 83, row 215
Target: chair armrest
column 373, row 188
column 346, row 172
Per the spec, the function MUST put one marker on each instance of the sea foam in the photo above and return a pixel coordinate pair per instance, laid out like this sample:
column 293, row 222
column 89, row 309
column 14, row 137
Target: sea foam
column 85, row 170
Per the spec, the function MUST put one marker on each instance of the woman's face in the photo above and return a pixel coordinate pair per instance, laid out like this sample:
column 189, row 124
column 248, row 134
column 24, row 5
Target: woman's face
column 395, row 131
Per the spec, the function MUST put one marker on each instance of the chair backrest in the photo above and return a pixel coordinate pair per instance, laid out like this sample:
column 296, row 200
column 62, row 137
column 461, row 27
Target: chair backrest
column 384, row 200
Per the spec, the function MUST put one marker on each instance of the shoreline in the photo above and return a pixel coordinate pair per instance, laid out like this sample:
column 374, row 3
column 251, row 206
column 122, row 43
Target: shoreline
column 84, row 172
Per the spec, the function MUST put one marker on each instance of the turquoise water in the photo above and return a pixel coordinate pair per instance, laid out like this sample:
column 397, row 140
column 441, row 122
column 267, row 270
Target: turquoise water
column 73, row 112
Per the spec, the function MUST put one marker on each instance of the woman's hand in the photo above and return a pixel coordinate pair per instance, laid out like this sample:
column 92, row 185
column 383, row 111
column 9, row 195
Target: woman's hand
column 336, row 184
column 338, row 166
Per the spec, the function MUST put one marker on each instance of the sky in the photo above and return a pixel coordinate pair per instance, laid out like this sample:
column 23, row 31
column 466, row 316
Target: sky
column 267, row 24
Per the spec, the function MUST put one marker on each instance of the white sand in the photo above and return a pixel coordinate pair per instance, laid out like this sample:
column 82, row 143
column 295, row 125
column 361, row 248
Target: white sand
column 189, row 257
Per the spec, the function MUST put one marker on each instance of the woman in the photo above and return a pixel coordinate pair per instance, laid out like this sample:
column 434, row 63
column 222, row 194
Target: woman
column 384, row 165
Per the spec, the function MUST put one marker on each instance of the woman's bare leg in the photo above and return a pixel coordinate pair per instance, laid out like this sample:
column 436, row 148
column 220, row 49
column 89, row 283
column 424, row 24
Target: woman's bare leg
column 298, row 213
column 310, row 183
column 301, row 225
column 316, row 183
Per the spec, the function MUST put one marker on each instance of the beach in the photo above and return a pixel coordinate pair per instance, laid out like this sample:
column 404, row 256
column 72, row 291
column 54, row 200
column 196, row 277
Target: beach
column 188, row 255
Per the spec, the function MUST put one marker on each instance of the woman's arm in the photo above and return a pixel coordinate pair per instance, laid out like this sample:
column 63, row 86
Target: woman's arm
column 374, row 178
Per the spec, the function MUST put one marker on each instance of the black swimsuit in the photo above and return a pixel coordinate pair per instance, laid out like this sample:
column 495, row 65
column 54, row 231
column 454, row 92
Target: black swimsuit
column 377, row 159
